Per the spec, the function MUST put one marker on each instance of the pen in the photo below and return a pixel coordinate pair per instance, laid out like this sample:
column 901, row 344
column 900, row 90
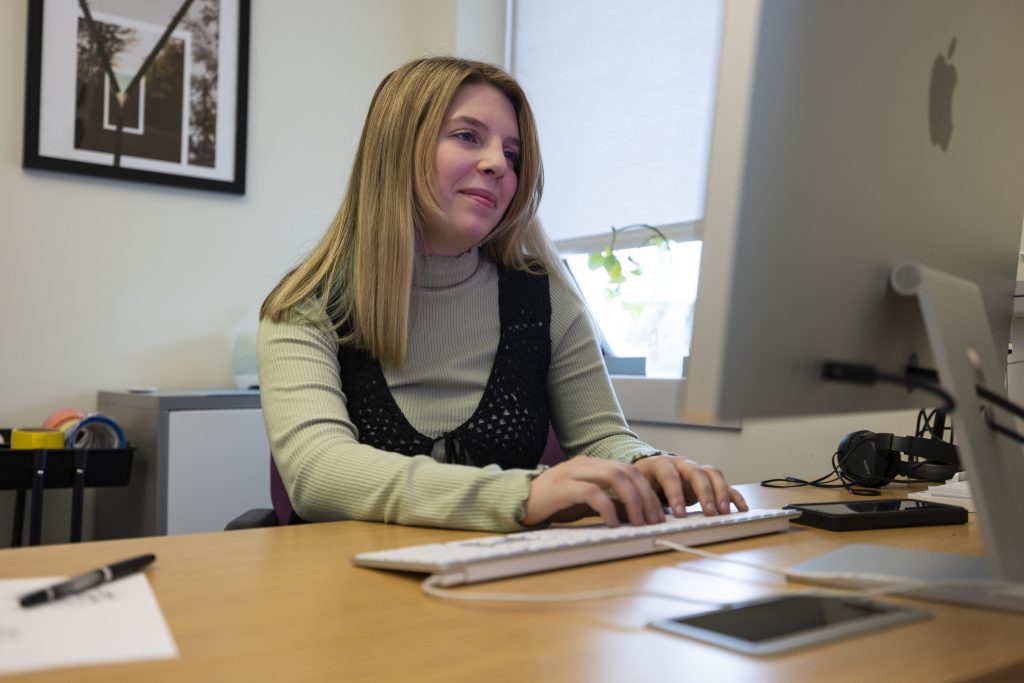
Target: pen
column 82, row 583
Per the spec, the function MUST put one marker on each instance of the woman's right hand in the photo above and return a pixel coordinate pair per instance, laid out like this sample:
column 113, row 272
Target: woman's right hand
column 582, row 486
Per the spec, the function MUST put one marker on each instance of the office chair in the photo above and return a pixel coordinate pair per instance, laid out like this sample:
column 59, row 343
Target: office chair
column 278, row 515
column 281, row 513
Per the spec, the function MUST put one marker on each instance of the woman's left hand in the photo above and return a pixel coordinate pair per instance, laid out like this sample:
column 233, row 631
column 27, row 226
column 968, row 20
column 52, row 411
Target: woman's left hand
column 682, row 481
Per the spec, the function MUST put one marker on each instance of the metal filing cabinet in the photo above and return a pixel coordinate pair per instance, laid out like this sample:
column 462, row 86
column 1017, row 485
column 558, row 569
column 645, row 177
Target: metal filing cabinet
column 201, row 459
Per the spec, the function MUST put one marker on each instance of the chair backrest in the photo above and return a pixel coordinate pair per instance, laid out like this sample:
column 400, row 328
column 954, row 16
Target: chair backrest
column 279, row 495
column 553, row 454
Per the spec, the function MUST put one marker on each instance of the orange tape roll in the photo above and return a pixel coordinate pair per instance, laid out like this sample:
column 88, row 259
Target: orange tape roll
column 63, row 419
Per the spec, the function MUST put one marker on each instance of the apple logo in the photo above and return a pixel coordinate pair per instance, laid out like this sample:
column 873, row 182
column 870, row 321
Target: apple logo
column 940, row 98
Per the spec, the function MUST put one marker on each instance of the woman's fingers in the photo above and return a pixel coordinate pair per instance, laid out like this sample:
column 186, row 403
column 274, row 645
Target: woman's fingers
column 626, row 484
column 683, row 481
column 663, row 472
column 598, row 484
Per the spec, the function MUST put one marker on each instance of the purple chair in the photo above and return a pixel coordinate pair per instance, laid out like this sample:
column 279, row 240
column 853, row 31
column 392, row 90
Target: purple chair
column 553, row 453
column 282, row 512
column 279, row 496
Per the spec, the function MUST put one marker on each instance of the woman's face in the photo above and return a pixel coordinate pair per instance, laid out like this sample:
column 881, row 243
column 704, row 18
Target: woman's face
column 474, row 168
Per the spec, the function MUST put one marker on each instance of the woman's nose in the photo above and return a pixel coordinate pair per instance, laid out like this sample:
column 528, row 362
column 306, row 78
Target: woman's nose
column 493, row 161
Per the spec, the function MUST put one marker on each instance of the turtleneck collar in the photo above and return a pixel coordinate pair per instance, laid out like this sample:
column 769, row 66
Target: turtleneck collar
column 439, row 272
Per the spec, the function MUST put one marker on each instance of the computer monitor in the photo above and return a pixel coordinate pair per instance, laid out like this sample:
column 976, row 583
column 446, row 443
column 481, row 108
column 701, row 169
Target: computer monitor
column 850, row 137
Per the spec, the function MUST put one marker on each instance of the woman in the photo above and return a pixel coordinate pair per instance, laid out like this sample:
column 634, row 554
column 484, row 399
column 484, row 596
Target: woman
column 410, row 366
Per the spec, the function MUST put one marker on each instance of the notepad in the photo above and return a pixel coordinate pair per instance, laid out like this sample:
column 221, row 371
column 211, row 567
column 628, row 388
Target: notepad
column 951, row 493
column 119, row 621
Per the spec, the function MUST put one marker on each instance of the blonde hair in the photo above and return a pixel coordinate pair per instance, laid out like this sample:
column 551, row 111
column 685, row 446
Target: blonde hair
column 361, row 271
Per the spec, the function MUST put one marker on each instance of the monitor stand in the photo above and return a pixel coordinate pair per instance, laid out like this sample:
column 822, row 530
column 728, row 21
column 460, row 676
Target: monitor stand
column 923, row 574
column 966, row 356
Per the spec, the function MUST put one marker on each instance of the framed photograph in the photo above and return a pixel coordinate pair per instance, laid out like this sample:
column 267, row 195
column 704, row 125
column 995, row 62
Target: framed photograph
column 151, row 91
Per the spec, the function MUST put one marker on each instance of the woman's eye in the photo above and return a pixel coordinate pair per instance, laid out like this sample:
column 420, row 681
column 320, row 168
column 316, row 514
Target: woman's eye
column 466, row 136
column 512, row 156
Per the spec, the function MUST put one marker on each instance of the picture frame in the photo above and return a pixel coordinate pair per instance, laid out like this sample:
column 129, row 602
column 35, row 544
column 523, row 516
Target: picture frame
column 151, row 91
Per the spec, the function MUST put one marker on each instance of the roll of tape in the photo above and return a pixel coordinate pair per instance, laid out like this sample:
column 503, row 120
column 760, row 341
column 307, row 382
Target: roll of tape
column 63, row 419
column 33, row 438
column 96, row 430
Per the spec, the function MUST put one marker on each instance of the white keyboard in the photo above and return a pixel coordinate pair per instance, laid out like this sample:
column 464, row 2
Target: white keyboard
column 491, row 557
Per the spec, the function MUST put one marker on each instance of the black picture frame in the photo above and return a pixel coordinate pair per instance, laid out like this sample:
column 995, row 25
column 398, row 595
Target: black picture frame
column 163, row 99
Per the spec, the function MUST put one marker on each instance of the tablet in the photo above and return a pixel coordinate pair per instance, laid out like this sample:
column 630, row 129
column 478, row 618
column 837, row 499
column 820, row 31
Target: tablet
column 849, row 516
column 786, row 622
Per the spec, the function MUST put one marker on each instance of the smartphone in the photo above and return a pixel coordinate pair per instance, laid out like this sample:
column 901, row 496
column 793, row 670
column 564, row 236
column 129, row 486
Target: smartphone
column 786, row 622
column 848, row 516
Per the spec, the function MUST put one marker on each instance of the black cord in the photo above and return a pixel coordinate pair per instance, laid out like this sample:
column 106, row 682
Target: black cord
column 854, row 486
column 868, row 374
column 1005, row 404
column 833, row 480
column 924, row 379
column 986, row 394
column 932, row 425
column 1001, row 401
column 1000, row 429
column 825, row 482
column 794, row 482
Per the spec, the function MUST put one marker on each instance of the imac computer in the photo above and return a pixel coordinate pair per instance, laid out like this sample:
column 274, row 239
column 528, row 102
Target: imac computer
column 864, row 206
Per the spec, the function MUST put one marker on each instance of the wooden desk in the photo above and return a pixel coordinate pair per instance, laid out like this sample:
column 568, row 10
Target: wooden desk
column 286, row 604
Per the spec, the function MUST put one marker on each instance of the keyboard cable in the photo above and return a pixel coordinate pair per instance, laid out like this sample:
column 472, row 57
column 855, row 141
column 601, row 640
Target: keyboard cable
column 430, row 587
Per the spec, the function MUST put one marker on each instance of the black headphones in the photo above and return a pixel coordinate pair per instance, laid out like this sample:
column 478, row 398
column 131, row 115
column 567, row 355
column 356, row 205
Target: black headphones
column 865, row 458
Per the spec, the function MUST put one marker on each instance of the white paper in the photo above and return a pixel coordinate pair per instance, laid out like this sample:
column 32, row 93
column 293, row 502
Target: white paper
column 956, row 492
column 119, row 621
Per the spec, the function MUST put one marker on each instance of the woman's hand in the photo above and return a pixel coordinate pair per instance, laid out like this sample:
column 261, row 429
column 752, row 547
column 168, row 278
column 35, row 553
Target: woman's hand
column 583, row 485
column 682, row 481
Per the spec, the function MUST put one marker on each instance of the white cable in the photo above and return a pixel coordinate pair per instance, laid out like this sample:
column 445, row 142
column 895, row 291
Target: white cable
column 719, row 558
column 430, row 587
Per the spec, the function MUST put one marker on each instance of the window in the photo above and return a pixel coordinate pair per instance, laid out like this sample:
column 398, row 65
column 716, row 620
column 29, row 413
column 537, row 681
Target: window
column 624, row 95
column 650, row 315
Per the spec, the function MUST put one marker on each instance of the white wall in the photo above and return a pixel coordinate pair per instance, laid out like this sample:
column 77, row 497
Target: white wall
column 110, row 284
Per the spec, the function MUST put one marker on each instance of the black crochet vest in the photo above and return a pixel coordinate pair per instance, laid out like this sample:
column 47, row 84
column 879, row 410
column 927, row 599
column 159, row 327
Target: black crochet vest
column 510, row 424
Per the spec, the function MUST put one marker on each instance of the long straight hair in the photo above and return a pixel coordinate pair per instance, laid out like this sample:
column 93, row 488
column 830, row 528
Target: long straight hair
column 360, row 273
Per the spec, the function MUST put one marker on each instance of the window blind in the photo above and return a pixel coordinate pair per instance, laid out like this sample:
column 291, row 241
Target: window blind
column 623, row 92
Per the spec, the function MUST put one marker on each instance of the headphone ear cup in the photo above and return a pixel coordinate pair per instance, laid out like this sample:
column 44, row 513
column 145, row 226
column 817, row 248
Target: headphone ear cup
column 928, row 470
column 862, row 464
column 930, row 460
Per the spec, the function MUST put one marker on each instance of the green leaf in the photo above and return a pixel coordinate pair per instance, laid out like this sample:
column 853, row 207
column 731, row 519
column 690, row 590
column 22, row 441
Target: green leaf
column 635, row 309
column 606, row 258
column 637, row 269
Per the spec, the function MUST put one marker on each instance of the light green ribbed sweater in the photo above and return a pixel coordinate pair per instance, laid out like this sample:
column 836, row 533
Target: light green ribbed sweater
column 454, row 331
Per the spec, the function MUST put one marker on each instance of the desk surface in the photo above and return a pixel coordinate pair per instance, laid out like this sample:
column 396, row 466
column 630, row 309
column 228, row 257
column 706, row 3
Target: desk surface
column 287, row 604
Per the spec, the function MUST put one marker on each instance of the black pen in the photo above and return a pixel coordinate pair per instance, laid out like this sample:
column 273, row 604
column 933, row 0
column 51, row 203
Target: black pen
column 82, row 583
